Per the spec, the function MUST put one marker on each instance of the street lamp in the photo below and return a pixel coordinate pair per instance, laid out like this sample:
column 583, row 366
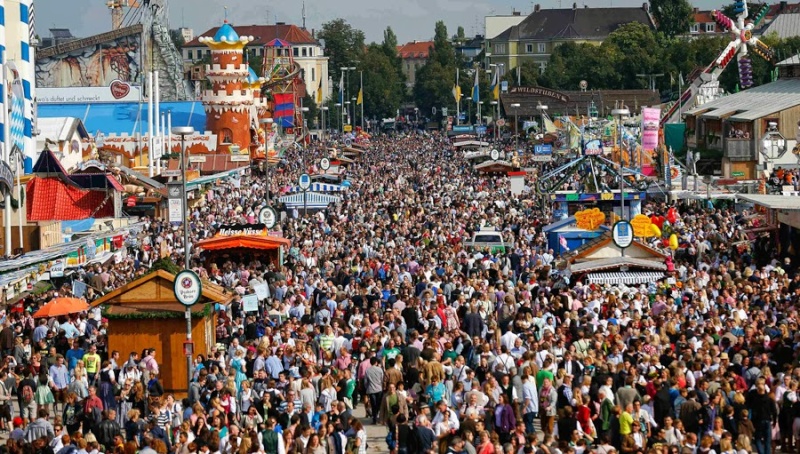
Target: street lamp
column 184, row 131
column 773, row 147
column 515, row 106
column 339, row 106
column 267, row 126
column 322, row 111
column 542, row 112
column 620, row 114
column 353, row 118
column 495, row 109
column 347, row 70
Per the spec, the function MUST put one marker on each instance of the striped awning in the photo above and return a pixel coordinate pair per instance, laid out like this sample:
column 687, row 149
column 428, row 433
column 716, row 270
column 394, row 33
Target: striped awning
column 312, row 200
column 627, row 278
column 320, row 187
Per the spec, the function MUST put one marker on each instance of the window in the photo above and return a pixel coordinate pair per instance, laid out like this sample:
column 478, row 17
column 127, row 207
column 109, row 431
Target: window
column 542, row 66
column 710, row 27
column 305, row 52
column 313, row 74
column 695, row 28
column 499, row 48
column 296, row 52
column 227, row 135
column 542, row 48
column 529, row 48
column 189, row 54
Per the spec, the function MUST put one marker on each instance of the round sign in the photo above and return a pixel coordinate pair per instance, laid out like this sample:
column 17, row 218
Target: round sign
column 494, row 154
column 501, row 122
column 348, row 142
column 324, row 163
column 622, row 233
column 188, row 288
column 268, row 216
column 304, row 182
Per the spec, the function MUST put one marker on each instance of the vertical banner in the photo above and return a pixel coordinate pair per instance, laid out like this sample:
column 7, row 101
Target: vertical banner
column 650, row 121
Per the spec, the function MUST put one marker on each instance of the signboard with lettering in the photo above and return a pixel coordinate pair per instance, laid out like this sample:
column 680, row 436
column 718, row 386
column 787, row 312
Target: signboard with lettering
column 540, row 91
column 542, row 152
column 242, row 229
column 593, row 148
column 6, row 177
column 118, row 91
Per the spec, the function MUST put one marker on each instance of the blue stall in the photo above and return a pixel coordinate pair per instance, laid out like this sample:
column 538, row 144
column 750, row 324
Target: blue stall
column 572, row 236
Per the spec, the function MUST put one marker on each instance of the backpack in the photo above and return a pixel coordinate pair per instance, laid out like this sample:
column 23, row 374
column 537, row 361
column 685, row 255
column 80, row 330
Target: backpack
column 562, row 400
column 27, row 394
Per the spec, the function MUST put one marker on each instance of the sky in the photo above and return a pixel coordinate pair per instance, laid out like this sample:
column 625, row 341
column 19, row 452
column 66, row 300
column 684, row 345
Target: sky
column 410, row 19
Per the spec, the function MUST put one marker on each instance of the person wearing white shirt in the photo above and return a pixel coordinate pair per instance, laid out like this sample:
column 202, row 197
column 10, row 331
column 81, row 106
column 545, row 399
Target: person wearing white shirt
column 530, row 401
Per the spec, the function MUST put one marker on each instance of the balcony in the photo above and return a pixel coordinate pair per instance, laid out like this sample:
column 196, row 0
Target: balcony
column 740, row 149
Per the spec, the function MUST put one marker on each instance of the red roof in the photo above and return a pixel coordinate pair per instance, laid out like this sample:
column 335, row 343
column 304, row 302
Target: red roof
column 50, row 199
column 780, row 8
column 263, row 34
column 415, row 49
column 220, row 242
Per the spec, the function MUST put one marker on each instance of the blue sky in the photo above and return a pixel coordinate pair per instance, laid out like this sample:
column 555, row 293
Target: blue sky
column 410, row 19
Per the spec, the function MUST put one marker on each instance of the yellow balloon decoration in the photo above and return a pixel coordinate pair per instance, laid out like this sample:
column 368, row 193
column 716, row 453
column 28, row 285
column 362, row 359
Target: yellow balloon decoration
column 589, row 219
column 655, row 231
column 641, row 226
column 673, row 241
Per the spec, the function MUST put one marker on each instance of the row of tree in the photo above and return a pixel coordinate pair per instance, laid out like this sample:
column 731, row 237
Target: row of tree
column 631, row 50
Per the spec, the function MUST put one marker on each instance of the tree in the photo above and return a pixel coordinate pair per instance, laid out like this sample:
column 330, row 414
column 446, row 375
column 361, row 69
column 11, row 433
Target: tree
column 383, row 84
column 674, row 17
column 634, row 50
column 177, row 39
column 344, row 46
column 389, row 44
column 752, row 8
column 442, row 51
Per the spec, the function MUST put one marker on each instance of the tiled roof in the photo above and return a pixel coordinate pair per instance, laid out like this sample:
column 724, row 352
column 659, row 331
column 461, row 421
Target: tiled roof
column 415, row 49
column 778, row 8
column 263, row 34
column 73, row 203
column 578, row 23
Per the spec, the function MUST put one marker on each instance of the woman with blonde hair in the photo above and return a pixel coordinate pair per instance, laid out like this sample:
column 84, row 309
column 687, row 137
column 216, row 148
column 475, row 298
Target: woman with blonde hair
column 743, row 445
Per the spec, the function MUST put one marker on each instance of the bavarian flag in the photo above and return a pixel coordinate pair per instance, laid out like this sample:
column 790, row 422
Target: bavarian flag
column 456, row 92
column 360, row 99
column 319, row 93
column 495, row 86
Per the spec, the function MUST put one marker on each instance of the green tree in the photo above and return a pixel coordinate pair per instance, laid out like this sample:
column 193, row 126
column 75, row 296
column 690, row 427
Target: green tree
column 383, row 85
column 637, row 51
column 528, row 74
column 442, row 51
column 344, row 46
column 389, row 44
column 674, row 17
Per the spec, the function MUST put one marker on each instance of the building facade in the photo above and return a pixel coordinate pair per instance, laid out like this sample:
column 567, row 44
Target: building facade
column 306, row 51
column 535, row 37
column 413, row 55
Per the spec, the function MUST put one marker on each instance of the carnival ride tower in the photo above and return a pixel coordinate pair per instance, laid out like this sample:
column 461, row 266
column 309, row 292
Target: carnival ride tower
column 229, row 101
column 282, row 76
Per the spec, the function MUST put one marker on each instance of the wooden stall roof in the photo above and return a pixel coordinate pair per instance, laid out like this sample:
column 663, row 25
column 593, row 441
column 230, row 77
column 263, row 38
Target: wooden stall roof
column 243, row 241
column 154, row 292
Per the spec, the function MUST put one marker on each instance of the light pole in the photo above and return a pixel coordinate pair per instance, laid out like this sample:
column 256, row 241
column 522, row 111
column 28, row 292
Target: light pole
column 346, row 112
column 267, row 126
column 353, row 118
column 347, row 70
column 322, row 111
column 494, row 110
column 515, row 106
column 303, row 111
column 339, row 105
column 620, row 114
column 184, row 131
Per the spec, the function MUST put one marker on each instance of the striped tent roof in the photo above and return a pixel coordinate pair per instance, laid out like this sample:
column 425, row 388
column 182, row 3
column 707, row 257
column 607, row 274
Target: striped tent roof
column 312, row 200
column 320, row 187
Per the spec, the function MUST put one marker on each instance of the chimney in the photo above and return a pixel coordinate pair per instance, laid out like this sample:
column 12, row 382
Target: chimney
column 695, row 10
column 784, row 4
column 536, row 8
column 516, row 13
column 646, row 6
column 574, row 6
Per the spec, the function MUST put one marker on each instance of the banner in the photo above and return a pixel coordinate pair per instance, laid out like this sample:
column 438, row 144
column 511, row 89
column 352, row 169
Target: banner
column 650, row 120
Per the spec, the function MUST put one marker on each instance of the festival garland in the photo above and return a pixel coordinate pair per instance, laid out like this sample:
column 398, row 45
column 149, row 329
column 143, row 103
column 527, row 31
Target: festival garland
column 153, row 315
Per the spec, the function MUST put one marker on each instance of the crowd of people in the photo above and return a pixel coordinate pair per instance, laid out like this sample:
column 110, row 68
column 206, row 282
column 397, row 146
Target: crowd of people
column 379, row 305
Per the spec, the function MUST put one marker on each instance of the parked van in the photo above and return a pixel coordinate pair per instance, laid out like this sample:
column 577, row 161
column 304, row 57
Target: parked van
column 487, row 238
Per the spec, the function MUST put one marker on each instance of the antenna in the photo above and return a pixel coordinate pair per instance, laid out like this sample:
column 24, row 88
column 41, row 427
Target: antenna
column 226, row 13
column 304, row 14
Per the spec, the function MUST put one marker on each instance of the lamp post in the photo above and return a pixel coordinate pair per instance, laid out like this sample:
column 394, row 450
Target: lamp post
column 339, row 105
column 346, row 113
column 773, row 147
column 347, row 70
column 515, row 106
column 303, row 111
column 353, row 118
column 267, row 126
column 184, row 131
column 620, row 114
column 322, row 111
column 495, row 109
column 542, row 113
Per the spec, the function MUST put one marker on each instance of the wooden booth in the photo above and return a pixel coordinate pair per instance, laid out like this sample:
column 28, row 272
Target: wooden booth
column 146, row 314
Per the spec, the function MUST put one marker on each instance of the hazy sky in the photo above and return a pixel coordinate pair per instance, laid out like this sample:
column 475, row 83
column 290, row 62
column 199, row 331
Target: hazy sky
column 410, row 19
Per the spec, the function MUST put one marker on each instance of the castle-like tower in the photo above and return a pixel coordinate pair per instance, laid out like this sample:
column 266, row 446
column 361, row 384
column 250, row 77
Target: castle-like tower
column 229, row 102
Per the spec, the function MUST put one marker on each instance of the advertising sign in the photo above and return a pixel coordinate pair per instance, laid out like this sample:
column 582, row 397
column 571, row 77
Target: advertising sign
column 622, row 234
column 650, row 121
column 593, row 148
column 175, row 211
column 542, row 152
column 187, row 288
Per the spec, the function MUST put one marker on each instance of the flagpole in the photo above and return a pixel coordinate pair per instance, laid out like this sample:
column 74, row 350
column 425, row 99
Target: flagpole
column 680, row 97
column 458, row 101
column 361, row 92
